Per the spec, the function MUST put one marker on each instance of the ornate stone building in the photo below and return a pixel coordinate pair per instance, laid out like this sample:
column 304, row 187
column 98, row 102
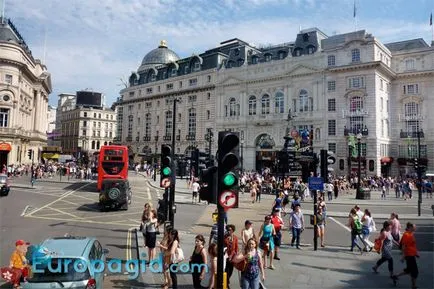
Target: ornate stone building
column 24, row 88
column 336, row 88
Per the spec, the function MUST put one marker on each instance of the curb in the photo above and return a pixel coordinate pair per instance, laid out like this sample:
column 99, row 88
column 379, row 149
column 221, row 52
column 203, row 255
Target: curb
column 176, row 190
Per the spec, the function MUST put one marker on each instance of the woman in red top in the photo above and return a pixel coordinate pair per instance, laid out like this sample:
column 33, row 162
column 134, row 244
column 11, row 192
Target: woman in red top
column 231, row 244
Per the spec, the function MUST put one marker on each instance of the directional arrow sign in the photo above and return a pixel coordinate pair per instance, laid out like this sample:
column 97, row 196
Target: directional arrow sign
column 228, row 199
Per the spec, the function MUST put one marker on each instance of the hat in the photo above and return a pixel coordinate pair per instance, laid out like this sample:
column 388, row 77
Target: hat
column 21, row 242
column 247, row 222
column 276, row 210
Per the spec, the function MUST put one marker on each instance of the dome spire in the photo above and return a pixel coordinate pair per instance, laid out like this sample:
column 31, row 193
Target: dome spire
column 163, row 44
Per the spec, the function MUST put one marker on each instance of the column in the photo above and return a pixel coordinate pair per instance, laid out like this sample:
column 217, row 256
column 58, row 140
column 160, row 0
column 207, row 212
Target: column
column 36, row 111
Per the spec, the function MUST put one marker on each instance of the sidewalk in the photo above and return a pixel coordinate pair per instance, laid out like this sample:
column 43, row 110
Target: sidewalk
column 343, row 199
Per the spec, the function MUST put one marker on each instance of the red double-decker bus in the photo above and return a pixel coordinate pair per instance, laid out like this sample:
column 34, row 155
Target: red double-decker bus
column 112, row 163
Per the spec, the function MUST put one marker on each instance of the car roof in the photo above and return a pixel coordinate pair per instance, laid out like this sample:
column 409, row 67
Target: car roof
column 69, row 246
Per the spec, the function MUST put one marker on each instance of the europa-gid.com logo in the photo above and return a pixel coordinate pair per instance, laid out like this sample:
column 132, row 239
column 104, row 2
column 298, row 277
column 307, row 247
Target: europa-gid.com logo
column 134, row 267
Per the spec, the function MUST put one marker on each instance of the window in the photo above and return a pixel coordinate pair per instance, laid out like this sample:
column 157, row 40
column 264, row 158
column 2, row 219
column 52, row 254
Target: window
column 310, row 49
column 282, row 54
column 332, row 147
column 85, row 114
column 168, row 123
column 169, row 101
column 411, row 89
column 331, row 85
column 331, row 60
column 331, row 104
column 332, row 127
column 193, row 82
column 209, row 78
column 8, row 78
column 409, row 64
column 240, row 62
column 149, row 90
column 196, row 66
column 254, row 60
column 234, row 108
column 173, row 72
column 4, row 117
column 84, row 132
column 153, row 77
column 411, row 113
column 252, row 105
column 306, row 103
column 267, row 57
column 381, row 84
column 169, row 86
column 192, row 121
column 148, row 104
column 297, row 52
column 381, row 104
column 356, row 82
column 356, row 104
column 355, row 55
column 208, row 95
column 192, row 98
column 265, row 104
column 99, row 115
column 84, row 123
column 279, row 103
column 180, row 84
column 131, row 93
column 130, row 126
column 208, row 114
column 186, row 70
column 148, row 125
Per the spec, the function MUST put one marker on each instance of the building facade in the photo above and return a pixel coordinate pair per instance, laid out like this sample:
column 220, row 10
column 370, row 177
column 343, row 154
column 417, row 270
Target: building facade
column 82, row 130
column 51, row 125
column 25, row 85
column 337, row 90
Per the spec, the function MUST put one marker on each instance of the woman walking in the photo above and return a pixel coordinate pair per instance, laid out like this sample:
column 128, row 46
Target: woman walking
column 356, row 229
column 170, row 251
column 247, row 233
column 231, row 244
column 151, row 234
column 320, row 219
column 198, row 261
column 166, row 255
column 266, row 241
column 212, row 252
column 145, row 217
column 367, row 227
column 386, row 249
column 250, row 276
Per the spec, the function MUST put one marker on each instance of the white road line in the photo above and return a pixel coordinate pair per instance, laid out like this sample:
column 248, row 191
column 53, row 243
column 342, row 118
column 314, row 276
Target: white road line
column 148, row 191
column 158, row 193
column 24, row 211
column 58, row 199
column 339, row 223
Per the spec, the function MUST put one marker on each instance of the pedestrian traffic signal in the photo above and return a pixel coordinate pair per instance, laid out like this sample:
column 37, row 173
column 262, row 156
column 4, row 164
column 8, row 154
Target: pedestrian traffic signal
column 416, row 164
column 166, row 178
column 228, row 159
column 30, row 154
column 208, row 189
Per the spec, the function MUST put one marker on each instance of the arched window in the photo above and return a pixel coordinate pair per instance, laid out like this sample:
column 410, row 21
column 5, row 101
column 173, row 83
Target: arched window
column 356, row 104
column 356, row 121
column 265, row 104
column 192, row 122
column 254, row 60
column 93, row 144
column 306, row 102
column 252, row 105
column 411, row 114
column 267, row 57
column 234, row 108
column 310, row 49
column 279, row 103
column 97, row 145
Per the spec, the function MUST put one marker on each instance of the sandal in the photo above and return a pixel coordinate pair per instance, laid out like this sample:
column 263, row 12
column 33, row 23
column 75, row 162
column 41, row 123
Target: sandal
column 271, row 267
column 164, row 285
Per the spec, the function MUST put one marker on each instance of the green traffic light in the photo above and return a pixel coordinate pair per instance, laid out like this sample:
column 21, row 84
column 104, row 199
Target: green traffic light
column 166, row 171
column 229, row 179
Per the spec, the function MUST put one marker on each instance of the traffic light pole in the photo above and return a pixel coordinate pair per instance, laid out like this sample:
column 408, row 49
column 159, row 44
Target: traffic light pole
column 220, row 245
column 173, row 183
column 419, row 173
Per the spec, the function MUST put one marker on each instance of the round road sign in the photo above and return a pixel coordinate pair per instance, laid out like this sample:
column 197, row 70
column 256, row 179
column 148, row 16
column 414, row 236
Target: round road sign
column 165, row 183
column 228, row 199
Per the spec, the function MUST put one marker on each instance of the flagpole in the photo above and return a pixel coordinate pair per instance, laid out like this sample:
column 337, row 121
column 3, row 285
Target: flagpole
column 355, row 15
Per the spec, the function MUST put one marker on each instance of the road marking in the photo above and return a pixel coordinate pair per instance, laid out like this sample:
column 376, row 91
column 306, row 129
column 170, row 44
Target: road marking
column 158, row 193
column 79, row 220
column 24, row 211
column 65, row 213
column 129, row 249
column 113, row 215
column 60, row 198
column 339, row 223
column 149, row 193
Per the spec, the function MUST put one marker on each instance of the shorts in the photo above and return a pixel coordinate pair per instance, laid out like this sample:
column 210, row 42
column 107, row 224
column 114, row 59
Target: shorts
column 411, row 266
column 194, row 194
column 277, row 239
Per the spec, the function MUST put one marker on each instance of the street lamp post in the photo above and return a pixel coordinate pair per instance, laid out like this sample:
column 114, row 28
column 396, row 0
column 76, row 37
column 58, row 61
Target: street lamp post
column 242, row 156
column 359, row 171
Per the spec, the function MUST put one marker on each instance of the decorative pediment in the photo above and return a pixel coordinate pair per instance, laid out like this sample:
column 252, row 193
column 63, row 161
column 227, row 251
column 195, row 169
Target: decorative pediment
column 230, row 80
column 301, row 69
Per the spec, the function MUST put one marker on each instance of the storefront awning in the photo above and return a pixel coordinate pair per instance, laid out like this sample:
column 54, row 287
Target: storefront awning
column 386, row 160
column 5, row 147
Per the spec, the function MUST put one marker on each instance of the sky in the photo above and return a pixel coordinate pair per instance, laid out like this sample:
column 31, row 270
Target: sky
column 96, row 44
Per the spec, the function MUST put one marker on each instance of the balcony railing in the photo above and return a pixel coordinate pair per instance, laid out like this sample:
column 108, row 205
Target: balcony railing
column 129, row 138
column 146, row 138
column 167, row 137
column 359, row 112
column 411, row 134
column 355, row 131
column 190, row 137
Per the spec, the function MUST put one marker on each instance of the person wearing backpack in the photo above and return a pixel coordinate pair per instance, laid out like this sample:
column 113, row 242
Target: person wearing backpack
column 386, row 250
column 356, row 229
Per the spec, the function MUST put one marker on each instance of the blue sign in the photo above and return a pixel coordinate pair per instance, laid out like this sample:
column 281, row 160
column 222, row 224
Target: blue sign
column 316, row 184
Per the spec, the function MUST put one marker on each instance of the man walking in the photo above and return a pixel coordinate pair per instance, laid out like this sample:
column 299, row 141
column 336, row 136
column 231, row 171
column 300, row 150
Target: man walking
column 278, row 223
column 296, row 223
column 409, row 253
column 195, row 187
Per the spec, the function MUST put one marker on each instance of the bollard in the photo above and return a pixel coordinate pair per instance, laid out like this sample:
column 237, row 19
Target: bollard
column 225, row 281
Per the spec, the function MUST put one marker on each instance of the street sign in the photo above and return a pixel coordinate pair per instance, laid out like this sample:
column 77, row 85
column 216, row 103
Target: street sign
column 316, row 183
column 228, row 199
column 165, row 183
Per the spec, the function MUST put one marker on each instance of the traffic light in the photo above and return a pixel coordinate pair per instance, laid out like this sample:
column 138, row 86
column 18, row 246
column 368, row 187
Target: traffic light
column 208, row 189
column 416, row 164
column 228, row 159
column 166, row 176
column 30, row 154
column 326, row 158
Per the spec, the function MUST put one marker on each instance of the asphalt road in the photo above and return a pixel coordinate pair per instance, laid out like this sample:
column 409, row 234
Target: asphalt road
column 53, row 208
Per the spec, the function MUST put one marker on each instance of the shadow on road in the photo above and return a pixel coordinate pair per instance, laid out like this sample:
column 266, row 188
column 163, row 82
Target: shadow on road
column 93, row 207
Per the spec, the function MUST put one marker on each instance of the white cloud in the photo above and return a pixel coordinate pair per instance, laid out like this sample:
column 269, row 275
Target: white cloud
column 92, row 43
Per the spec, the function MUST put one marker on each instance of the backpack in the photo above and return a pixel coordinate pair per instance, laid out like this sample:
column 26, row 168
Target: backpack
column 378, row 243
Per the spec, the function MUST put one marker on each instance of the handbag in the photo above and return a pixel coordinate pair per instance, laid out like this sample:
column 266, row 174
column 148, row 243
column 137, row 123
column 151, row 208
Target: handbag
column 178, row 256
column 241, row 266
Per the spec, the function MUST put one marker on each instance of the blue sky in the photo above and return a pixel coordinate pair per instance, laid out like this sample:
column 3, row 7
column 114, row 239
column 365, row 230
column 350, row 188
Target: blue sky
column 96, row 43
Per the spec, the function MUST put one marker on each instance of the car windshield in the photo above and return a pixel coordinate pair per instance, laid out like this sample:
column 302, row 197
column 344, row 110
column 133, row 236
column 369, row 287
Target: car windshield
column 60, row 270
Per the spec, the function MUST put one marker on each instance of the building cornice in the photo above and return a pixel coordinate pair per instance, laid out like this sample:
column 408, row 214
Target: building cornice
column 415, row 74
column 168, row 95
column 366, row 65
